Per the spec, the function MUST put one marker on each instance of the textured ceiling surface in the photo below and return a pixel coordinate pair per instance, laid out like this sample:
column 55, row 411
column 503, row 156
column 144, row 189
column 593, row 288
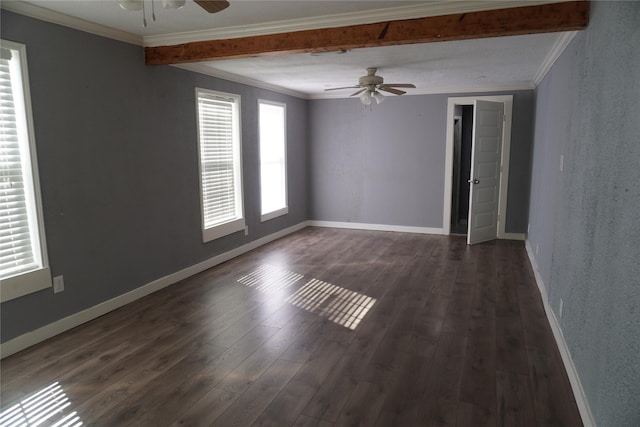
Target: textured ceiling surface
column 503, row 63
column 192, row 17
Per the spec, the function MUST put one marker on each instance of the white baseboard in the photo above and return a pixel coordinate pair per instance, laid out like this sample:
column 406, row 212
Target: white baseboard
column 376, row 227
column 572, row 373
column 513, row 236
column 34, row 337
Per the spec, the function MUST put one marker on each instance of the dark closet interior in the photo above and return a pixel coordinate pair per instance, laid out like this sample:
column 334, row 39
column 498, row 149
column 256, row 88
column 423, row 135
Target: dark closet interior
column 462, row 146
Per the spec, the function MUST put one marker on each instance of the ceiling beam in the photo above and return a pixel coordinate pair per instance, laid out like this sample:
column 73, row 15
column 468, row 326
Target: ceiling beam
column 546, row 18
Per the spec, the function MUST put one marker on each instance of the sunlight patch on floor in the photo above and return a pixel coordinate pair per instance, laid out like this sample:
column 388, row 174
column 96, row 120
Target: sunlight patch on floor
column 47, row 405
column 270, row 278
column 342, row 306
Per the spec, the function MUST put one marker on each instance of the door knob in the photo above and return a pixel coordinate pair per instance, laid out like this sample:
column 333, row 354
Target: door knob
column 473, row 181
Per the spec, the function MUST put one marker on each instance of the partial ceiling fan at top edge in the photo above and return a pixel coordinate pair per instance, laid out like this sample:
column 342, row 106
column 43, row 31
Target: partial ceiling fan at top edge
column 212, row 6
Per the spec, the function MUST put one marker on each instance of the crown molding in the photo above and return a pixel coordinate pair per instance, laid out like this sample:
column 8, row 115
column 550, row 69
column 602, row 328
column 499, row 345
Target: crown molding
column 474, row 89
column 445, row 90
column 560, row 45
column 327, row 21
column 441, row 7
column 203, row 69
column 332, row 21
column 53, row 17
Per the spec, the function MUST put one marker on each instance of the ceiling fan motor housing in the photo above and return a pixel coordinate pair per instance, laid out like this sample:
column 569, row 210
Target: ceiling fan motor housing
column 370, row 79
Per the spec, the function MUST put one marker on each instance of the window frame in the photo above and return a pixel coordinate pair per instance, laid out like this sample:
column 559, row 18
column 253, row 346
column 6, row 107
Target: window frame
column 238, row 222
column 39, row 278
column 266, row 216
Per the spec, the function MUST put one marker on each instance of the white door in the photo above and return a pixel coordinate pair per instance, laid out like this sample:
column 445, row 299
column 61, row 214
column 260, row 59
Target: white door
column 485, row 171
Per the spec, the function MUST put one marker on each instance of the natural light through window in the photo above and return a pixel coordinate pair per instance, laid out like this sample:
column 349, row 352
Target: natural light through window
column 342, row 306
column 270, row 278
column 48, row 406
column 23, row 258
column 220, row 163
column 273, row 165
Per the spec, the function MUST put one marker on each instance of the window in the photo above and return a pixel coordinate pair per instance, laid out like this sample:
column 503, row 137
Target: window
column 273, row 164
column 23, row 259
column 220, row 165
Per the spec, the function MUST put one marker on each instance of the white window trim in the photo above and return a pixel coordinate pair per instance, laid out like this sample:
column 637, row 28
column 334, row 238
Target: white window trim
column 274, row 214
column 38, row 279
column 237, row 224
column 284, row 210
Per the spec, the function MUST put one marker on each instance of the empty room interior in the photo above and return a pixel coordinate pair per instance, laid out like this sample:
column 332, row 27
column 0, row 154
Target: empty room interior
column 312, row 213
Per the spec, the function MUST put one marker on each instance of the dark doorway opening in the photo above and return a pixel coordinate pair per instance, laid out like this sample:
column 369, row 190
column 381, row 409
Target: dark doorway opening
column 462, row 146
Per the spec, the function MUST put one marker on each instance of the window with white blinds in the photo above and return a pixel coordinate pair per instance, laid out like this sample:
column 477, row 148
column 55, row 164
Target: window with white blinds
column 273, row 159
column 23, row 261
column 220, row 163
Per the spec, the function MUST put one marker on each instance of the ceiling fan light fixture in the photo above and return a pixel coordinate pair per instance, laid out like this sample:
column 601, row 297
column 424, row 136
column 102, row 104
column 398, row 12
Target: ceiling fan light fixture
column 365, row 98
column 369, row 87
column 378, row 96
column 174, row 4
column 131, row 4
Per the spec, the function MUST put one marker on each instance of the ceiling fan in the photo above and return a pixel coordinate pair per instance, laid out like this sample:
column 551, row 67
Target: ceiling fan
column 211, row 6
column 370, row 85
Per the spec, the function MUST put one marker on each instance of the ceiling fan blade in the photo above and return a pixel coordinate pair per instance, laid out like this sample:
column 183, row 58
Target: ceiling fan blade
column 398, row 85
column 358, row 92
column 340, row 88
column 392, row 90
column 212, row 6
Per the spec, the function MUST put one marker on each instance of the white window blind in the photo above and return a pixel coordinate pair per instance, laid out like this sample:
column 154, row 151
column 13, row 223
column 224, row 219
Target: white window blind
column 21, row 233
column 273, row 173
column 220, row 174
column 17, row 253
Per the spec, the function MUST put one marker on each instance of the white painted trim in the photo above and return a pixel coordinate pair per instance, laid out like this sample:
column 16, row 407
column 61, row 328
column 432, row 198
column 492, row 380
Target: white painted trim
column 559, row 46
column 507, row 100
column 25, row 283
column 327, row 21
column 39, row 278
column 376, row 227
column 514, row 236
column 340, row 20
column 536, row 271
column 275, row 27
column 442, row 90
column 203, row 69
column 284, row 210
column 238, row 222
column 43, row 14
column 275, row 214
column 570, row 368
column 34, row 337
column 505, row 160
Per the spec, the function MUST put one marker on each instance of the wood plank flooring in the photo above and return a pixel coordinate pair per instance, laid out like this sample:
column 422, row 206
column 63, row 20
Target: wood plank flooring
column 321, row 328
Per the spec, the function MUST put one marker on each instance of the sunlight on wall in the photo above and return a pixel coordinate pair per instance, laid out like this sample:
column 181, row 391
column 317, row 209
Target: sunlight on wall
column 46, row 405
column 342, row 306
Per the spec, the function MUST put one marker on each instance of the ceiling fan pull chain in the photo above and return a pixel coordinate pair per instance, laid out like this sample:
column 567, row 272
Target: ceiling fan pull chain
column 153, row 10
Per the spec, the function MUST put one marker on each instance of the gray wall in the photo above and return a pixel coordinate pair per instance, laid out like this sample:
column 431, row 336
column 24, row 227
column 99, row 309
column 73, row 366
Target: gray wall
column 116, row 142
column 387, row 165
column 117, row 150
column 584, row 220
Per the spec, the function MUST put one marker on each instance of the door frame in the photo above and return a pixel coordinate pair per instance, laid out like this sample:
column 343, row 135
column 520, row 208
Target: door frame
column 507, row 100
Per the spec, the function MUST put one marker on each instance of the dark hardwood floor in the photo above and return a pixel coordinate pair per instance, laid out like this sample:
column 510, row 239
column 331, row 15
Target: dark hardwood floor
column 322, row 328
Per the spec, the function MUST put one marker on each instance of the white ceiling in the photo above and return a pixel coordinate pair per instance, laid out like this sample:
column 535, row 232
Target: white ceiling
column 505, row 63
